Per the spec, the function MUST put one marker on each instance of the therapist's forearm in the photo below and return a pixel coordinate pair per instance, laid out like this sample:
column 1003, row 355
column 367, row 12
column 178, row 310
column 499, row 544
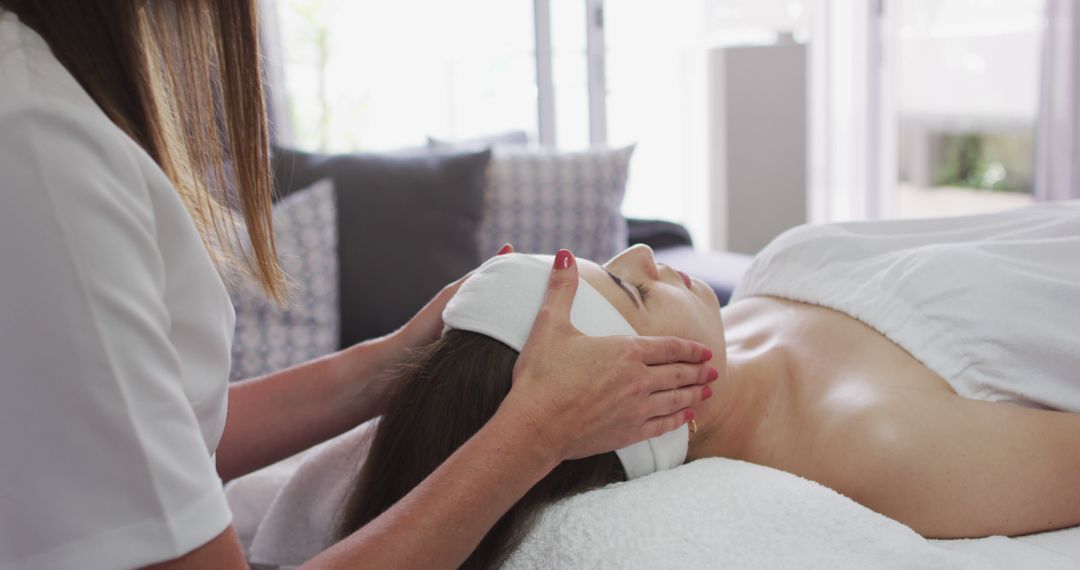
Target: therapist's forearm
column 277, row 415
column 441, row 521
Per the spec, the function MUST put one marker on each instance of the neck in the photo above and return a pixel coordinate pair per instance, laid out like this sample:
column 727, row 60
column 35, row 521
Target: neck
column 732, row 423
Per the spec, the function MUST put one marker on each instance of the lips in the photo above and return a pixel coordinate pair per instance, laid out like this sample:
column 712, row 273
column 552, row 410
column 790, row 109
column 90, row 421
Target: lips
column 685, row 279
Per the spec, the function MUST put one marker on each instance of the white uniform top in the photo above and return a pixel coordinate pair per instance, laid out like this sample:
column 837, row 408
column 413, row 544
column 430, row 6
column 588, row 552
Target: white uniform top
column 114, row 336
column 990, row 303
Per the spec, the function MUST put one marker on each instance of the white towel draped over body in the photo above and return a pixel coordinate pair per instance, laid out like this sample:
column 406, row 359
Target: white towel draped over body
column 991, row 303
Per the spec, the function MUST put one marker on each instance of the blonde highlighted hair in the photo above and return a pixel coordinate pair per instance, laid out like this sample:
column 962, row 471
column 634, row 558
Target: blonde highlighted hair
column 183, row 79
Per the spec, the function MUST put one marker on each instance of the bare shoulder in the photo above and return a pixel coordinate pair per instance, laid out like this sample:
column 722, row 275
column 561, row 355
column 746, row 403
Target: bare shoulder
column 952, row 467
column 875, row 424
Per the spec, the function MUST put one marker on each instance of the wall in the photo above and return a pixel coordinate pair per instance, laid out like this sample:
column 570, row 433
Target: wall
column 757, row 143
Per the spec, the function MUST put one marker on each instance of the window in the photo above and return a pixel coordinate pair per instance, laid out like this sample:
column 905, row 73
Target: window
column 966, row 89
column 570, row 74
column 923, row 107
column 385, row 75
column 656, row 93
column 655, row 100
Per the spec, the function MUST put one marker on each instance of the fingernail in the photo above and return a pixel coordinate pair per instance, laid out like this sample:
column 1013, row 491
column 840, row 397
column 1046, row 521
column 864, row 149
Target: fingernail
column 689, row 415
column 506, row 248
column 713, row 374
column 706, row 393
column 563, row 259
column 708, row 355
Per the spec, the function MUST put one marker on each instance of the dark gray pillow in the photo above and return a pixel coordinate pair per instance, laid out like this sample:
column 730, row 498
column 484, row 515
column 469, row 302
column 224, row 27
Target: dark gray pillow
column 407, row 226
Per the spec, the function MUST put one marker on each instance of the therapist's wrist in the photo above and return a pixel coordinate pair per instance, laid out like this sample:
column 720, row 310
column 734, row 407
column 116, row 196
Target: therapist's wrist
column 364, row 374
column 526, row 433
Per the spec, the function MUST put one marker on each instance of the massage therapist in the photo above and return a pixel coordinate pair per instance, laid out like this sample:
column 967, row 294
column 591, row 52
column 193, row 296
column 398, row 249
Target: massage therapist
column 120, row 122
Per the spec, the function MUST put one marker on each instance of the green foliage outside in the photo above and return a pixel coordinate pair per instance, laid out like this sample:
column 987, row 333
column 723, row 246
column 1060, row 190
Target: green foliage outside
column 1000, row 163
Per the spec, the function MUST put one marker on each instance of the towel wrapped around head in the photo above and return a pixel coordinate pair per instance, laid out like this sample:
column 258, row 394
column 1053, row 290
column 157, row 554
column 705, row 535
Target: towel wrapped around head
column 501, row 301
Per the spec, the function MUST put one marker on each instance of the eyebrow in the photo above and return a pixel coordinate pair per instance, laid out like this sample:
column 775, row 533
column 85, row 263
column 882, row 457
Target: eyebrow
column 622, row 285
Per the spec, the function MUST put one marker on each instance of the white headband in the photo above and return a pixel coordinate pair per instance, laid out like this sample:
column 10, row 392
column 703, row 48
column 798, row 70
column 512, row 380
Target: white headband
column 501, row 300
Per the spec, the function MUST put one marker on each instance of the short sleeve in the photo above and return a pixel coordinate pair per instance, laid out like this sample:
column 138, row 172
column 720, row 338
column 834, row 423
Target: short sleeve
column 102, row 463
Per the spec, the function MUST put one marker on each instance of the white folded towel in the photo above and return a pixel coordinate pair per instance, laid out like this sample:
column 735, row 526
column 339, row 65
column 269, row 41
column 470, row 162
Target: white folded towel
column 722, row 513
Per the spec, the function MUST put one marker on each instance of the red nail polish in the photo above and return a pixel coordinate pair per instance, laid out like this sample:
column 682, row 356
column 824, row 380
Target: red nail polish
column 713, row 374
column 563, row 259
column 689, row 415
column 706, row 393
column 506, row 248
column 708, row 355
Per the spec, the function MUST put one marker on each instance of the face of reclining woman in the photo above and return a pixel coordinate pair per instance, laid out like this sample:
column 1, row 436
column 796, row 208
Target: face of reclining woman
column 448, row 391
column 657, row 300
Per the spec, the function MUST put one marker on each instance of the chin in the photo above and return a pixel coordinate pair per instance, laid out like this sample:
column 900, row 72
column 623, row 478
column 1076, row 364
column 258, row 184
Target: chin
column 705, row 293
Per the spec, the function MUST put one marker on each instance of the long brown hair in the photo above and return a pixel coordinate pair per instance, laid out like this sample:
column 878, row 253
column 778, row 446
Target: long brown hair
column 445, row 394
column 183, row 80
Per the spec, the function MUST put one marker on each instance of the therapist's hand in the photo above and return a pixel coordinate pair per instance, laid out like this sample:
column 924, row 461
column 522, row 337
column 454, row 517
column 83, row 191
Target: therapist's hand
column 583, row 395
column 427, row 326
column 367, row 364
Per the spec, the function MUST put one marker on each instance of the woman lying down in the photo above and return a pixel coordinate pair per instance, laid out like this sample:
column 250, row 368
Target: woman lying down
column 927, row 369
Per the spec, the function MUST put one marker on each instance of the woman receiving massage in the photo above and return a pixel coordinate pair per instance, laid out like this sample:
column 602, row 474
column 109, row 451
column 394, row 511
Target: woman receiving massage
column 927, row 369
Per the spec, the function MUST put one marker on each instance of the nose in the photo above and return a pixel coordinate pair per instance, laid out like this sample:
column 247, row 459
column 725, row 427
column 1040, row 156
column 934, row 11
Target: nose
column 638, row 259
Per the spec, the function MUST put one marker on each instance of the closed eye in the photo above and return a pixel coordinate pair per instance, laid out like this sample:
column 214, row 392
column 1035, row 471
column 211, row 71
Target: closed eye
column 622, row 285
column 643, row 292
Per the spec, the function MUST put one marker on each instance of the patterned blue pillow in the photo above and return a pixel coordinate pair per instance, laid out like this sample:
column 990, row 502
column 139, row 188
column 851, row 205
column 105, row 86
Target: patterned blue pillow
column 269, row 338
column 543, row 200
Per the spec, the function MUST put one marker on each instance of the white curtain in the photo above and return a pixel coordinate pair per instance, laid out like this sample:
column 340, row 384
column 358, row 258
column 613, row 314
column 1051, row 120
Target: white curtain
column 1057, row 155
column 277, row 106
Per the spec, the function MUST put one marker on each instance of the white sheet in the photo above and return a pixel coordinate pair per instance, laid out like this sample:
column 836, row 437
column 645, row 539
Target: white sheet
column 709, row 513
column 285, row 514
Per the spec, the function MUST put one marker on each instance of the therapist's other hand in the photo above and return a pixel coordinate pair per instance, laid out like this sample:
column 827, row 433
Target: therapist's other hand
column 588, row 395
column 427, row 325
column 365, row 367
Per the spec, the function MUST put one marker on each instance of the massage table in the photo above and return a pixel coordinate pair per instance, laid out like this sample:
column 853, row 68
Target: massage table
column 715, row 512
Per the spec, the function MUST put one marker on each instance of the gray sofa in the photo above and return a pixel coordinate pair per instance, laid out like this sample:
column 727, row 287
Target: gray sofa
column 406, row 222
